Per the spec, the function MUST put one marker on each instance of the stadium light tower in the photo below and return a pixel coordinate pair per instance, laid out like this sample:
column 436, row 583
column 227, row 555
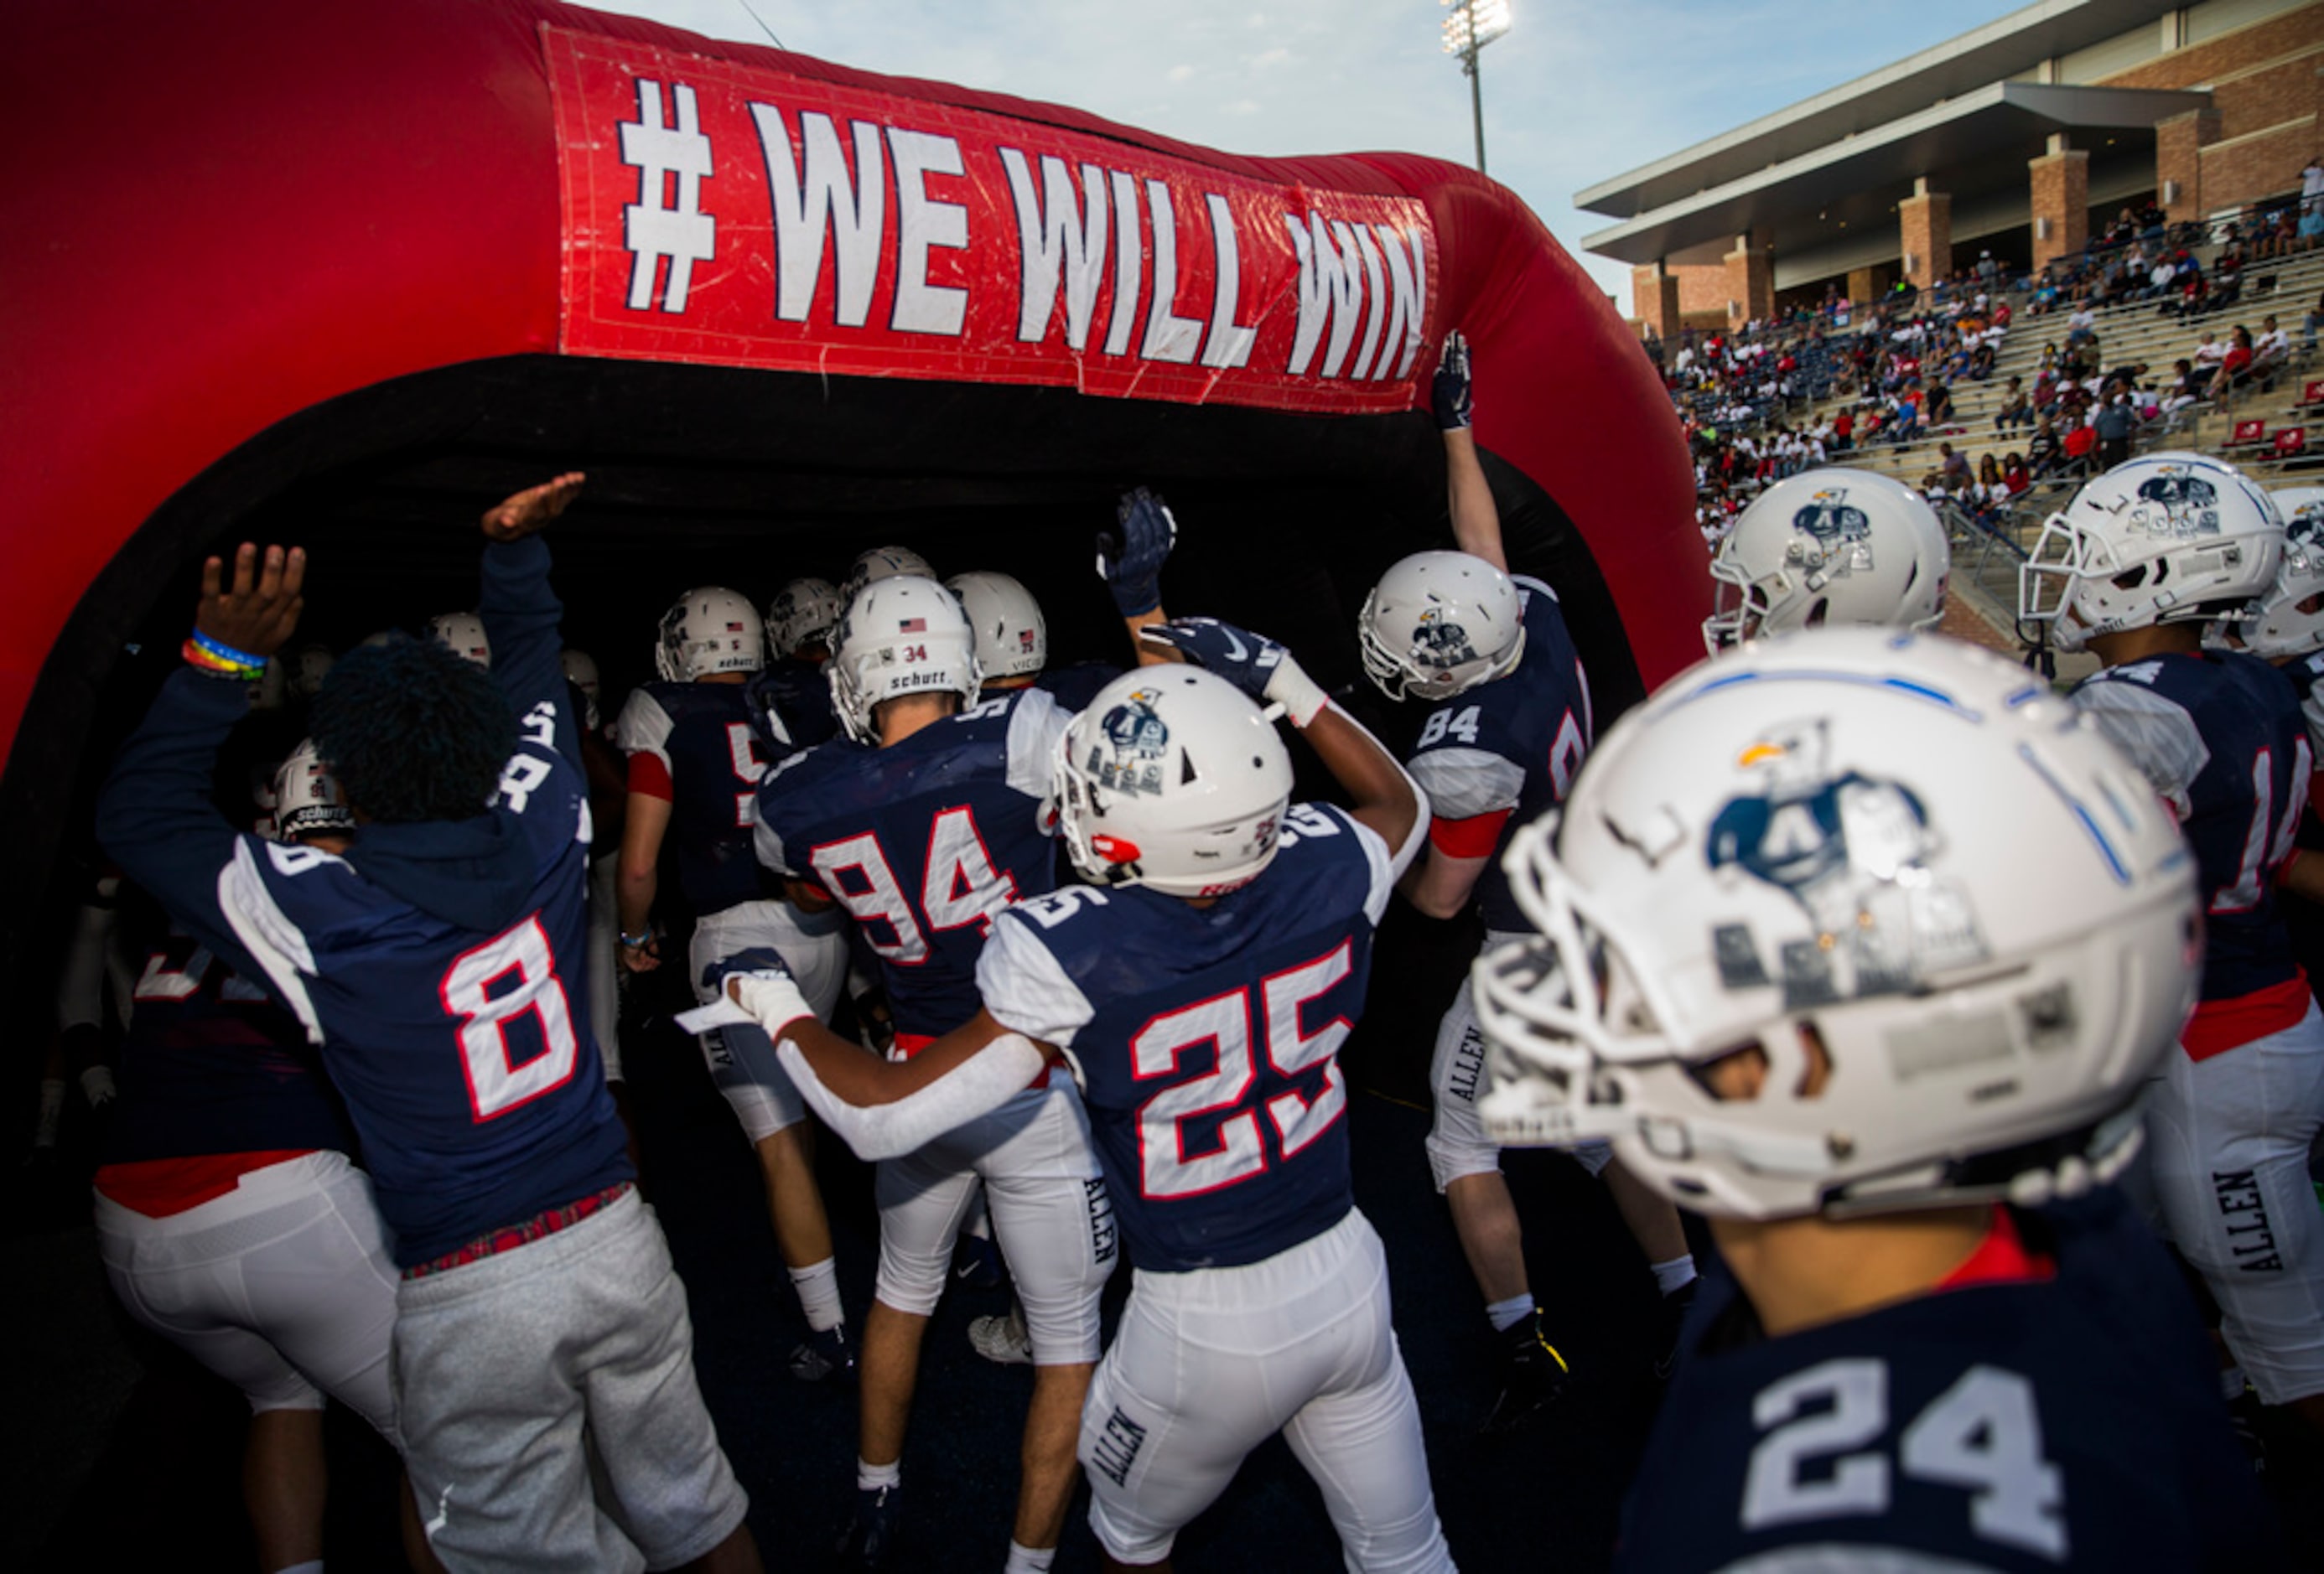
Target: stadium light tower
column 1473, row 24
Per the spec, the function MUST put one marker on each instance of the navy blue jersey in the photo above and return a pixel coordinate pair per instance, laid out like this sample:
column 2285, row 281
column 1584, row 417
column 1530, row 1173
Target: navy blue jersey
column 212, row 1064
column 1493, row 759
column 695, row 744
column 923, row 843
column 2030, row 1424
column 2308, row 678
column 438, row 963
column 1074, row 687
column 1206, row 1039
column 790, row 701
column 2220, row 736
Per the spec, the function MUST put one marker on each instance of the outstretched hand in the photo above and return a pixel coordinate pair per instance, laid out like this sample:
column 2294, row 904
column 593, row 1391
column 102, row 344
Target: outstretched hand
column 256, row 612
column 1129, row 558
column 515, row 518
column 1450, row 395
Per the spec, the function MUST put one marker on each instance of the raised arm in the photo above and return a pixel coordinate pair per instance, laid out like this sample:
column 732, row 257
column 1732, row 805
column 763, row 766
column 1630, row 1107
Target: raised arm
column 519, row 610
column 1129, row 560
column 154, row 816
column 1475, row 519
column 1385, row 799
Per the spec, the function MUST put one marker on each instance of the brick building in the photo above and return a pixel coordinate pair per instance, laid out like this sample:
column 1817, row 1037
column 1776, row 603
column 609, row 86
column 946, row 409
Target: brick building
column 2014, row 138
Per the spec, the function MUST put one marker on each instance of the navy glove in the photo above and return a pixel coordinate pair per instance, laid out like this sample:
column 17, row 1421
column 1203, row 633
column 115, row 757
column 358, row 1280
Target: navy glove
column 1454, row 406
column 1253, row 663
column 1130, row 559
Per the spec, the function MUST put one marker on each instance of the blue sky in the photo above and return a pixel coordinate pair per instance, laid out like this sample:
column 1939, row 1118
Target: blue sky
column 1573, row 94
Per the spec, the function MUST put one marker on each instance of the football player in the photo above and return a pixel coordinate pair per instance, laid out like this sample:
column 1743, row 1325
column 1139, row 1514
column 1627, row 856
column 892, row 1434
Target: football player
column 1862, row 945
column 1199, row 987
column 608, row 795
column 540, row 1333
column 2130, row 569
column 920, row 823
column 1012, row 637
column 464, row 635
column 880, row 563
column 1830, row 547
column 1510, row 724
column 791, row 699
column 693, row 772
column 229, row 1218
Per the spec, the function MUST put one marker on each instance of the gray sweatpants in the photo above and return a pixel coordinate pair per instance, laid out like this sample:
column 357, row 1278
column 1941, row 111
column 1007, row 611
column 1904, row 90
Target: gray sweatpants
column 517, row 1374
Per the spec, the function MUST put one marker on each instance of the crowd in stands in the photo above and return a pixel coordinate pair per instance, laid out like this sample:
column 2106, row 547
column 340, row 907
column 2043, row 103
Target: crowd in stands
column 1818, row 381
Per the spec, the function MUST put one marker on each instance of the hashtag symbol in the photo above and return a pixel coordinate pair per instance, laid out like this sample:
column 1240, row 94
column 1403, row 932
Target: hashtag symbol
column 682, row 233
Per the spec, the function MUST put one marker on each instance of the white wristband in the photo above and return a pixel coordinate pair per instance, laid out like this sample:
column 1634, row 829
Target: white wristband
column 1299, row 694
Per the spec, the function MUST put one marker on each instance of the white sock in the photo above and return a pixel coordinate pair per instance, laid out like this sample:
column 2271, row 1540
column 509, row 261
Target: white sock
column 1505, row 1315
column 52, row 1110
column 1675, row 1275
column 96, row 1086
column 817, row 1285
column 870, row 1478
column 1025, row 1559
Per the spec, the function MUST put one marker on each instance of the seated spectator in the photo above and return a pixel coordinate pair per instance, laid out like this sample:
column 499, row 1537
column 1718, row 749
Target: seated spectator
column 2077, row 449
column 2235, row 367
column 2043, row 452
column 2082, row 324
column 1981, row 363
column 1936, row 404
column 2312, row 225
column 2016, row 410
column 2184, row 388
column 2271, row 351
column 2014, row 475
column 2208, row 355
column 1843, row 430
column 1954, row 465
column 2114, row 423
column 2159, row 279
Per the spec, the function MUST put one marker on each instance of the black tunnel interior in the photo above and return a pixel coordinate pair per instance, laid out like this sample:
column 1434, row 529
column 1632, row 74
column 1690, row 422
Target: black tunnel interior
column 703, row 475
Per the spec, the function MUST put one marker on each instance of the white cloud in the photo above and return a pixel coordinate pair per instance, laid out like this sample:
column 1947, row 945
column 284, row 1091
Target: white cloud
column 1575, row 93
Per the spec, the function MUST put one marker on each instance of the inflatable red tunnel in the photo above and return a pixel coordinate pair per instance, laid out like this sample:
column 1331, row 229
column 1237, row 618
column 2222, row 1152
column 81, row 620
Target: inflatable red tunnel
column 222, row 218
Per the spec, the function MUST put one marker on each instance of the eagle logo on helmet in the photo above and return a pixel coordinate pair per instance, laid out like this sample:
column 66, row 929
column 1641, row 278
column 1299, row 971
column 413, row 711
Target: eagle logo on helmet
column 2177, row 502
column 1834, row 529
column 1854, row 853
column 1135, row 740
column 1440, row 644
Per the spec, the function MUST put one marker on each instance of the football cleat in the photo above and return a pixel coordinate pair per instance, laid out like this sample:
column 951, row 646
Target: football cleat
column 1533, row 1376
column 869, row 1539
column 823, row 1355
column 1003, row 1340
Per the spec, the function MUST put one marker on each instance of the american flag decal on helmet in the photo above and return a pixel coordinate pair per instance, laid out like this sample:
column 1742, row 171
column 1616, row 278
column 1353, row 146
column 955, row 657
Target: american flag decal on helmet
column 911, row 625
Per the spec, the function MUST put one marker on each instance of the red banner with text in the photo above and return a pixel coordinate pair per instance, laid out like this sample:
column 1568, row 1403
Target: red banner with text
column 738, row 216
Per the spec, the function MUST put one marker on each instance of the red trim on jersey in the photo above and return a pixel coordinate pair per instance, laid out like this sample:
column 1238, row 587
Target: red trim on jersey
column 650, row 776
column 2220, row 1025
column 2000, row 1259
column 157, row 1188
column 1474, row 837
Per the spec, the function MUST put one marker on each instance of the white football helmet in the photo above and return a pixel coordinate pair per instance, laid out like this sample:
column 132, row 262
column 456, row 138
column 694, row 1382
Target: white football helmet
column 803, row 612
column 901, row 635
column 308, row 667
column 2288, row 617
column 1013, row 638
column 463, row 634
column 1794, row 849
column 1828, row 548
column 581, row 672
column 882, row 563
column 2163, row 539
column 709, row 632
column 307, row 797
column 1440, row 623
column 1173, row 778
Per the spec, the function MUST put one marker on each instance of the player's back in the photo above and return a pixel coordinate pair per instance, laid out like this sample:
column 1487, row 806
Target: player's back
column 1496, row 756
column 922, row 842
column 212, row 1064
column 2220, row 736
column 790, row 701
column 1205, row 1039
column 694, row 743
column 439, row 965
column 2024, row 1422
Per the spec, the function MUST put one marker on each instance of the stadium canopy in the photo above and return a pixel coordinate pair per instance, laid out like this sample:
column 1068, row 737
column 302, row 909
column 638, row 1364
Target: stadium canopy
column 345, row 274
column 1972, row 101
